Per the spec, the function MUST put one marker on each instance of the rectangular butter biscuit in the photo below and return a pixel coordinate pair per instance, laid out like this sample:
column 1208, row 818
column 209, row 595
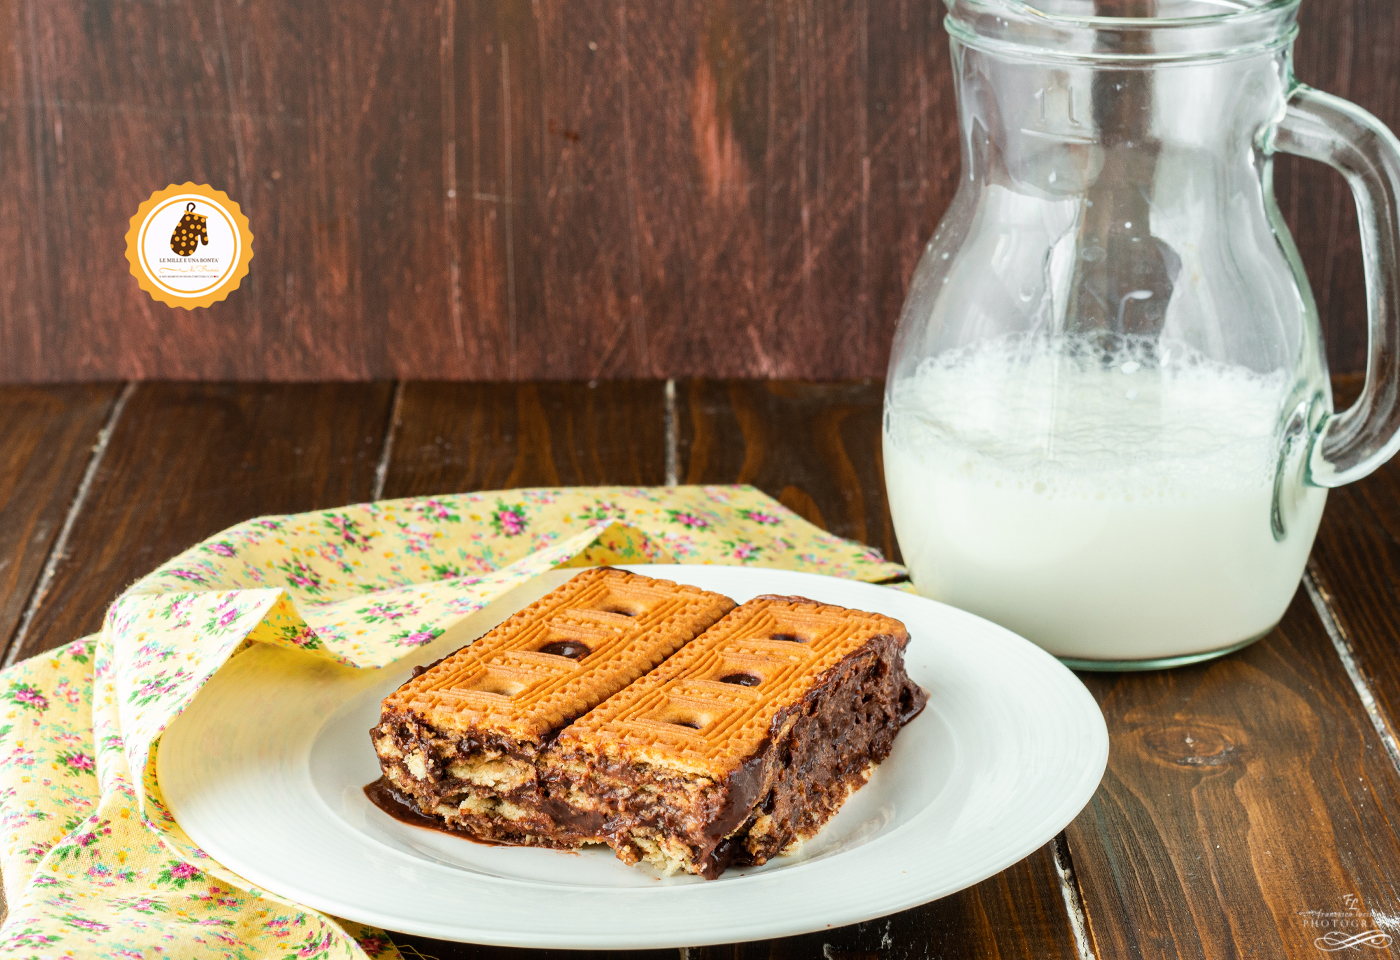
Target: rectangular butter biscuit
column 461, row 741
column 745, row 742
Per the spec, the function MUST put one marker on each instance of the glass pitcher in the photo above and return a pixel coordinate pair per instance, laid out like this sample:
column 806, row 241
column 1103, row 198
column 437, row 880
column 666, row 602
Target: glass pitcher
column 1108, row 421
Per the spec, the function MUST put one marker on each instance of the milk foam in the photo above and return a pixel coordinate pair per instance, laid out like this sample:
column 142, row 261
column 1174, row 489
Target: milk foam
column 1106, row 505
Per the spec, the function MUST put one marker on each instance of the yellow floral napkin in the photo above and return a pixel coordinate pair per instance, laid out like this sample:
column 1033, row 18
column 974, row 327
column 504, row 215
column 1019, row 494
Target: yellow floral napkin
column 95, row 866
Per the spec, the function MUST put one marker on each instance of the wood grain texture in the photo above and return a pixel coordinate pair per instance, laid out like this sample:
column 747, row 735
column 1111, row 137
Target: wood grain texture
column 423, row 948
column 816, row 448
column 502, row 189
column 453, row 438
column 48, row 434
column 187, row 460
column 321, row 120
column 1348, row 49
column 1017, row 913
column 1355, row 565
column 1243, row 798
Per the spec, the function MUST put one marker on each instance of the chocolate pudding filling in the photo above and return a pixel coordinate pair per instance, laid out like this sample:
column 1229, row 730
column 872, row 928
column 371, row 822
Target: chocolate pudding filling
column 819, row 750
column 735, row 751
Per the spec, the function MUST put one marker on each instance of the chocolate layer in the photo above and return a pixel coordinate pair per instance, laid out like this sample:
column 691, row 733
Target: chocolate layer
column 463, row 736
column 818, row 751
column 688, row 801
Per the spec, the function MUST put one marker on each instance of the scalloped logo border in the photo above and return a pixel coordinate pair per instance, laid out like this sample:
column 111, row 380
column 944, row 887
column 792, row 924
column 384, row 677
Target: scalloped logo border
column 145, row 276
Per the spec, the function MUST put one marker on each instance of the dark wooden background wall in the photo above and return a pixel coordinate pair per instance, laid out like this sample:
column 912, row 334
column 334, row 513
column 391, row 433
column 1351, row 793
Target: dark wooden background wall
column 497, row 189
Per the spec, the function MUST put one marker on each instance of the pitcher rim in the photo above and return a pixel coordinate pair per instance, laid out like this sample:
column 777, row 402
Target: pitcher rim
column 1020, row 28
column 1028, row 7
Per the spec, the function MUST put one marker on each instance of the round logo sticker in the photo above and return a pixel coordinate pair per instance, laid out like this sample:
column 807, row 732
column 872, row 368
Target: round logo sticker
column 189, row 245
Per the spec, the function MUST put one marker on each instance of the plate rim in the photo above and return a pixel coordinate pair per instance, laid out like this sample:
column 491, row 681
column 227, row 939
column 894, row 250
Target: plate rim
column 468, row 927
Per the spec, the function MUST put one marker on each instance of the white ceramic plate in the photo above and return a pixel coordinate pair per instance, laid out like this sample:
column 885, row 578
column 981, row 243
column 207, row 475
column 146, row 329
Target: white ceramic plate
column 265, row 770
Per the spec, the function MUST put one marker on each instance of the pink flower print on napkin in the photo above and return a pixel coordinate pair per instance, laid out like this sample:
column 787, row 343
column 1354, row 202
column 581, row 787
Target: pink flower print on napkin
column 602, row 510
column 28, row 697
column 177, row 873
column 300, row 575
column 767, row 518
column 301, row 636
column 348, row 530
column 193, row 576
column 689, row 520
column 374, row 946
column 509, row 520
column 390, row 611
column 142, row 905
column 77, row 762
column 437, row 510
column 426, row 633
column 742, row 550
column 73, row 920
column 225, row 614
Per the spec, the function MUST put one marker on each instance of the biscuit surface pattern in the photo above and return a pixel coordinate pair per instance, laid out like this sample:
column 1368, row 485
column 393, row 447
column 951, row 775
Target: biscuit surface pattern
column 561, row 655
column 710, row 707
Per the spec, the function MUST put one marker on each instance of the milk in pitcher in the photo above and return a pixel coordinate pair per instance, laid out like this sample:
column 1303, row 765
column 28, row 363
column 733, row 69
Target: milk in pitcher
column 1109, row 506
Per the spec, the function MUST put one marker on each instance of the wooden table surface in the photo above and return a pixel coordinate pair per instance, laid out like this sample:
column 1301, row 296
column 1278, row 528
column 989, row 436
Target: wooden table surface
column 1250, row 804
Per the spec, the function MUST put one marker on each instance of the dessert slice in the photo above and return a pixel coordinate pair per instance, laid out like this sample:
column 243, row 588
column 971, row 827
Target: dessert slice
column 460, row 742
column 742, row 744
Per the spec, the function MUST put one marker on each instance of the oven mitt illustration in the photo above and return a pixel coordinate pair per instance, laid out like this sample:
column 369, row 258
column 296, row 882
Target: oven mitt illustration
column 192, row 227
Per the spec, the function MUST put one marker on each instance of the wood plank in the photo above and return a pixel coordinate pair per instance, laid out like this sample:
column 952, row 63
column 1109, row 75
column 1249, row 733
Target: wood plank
column 49, row 435
column 665, row 183
column 816, row 447
column 422, row 948
column 322, row 120
column 1017, row 913
column 1355, row 566
column 495, row 189
column 187, row 460
column 453, row 438
column 1346, row 49
column 1243, row 798
column 26, row 270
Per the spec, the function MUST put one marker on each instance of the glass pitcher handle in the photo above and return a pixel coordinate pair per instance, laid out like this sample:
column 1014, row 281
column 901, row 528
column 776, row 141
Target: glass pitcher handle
column 1351, row 444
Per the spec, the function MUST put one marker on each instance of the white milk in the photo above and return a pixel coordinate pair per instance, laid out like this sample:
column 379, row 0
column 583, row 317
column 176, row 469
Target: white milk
column 1108, row 508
